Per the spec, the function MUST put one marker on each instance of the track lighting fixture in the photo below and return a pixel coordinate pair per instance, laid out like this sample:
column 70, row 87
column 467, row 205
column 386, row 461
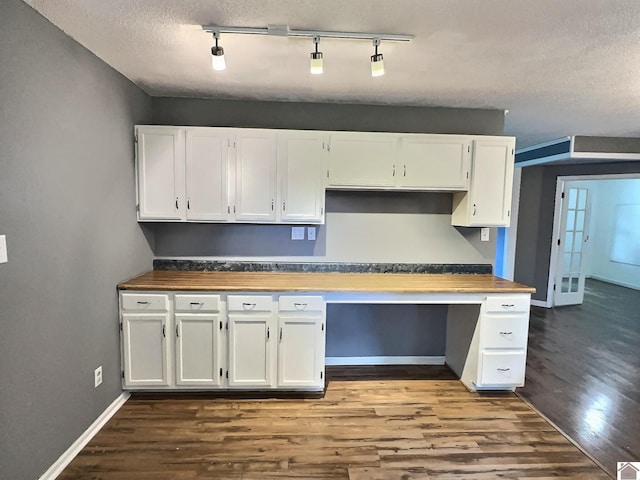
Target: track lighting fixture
column 377, row 65
column 217, row 54
column 317, row 62
column 316, row 57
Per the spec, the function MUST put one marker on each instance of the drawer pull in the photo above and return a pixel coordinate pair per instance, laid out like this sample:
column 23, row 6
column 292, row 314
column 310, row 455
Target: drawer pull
column 140, row 302
column 508, row 305
column 300, row 306
column 248, row 306
column 506, row 333
column 503, row 369
column 196, row 303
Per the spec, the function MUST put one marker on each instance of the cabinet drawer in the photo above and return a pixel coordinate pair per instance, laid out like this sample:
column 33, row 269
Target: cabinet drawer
column 502, row 368
column 145, row 302
column 301, row 303
column 505, row 331
column 197, row 303
column 250, row 303
column 509, row 304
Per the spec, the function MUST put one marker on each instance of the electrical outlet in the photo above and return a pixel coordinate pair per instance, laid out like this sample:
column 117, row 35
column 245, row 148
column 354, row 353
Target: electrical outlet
column 297, row 233
column 97, row 376
column 311, row 233
column 3, row 249
column 484, row 234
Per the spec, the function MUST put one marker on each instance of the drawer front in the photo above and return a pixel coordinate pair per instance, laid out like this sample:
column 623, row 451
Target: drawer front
column 505, row 331
column 291, row 303
column 502, row 368
column 250, row 303
column 197, row 303
column 508, row 304
column 145, row 302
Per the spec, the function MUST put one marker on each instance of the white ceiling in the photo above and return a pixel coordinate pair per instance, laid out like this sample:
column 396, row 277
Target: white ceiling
column 561, row 67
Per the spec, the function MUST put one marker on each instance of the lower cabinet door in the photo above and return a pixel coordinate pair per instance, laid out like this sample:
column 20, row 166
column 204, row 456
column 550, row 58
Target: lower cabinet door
column 252, row 350
column 301, row 343
column 502, row 368
column 145, row 350
column 198, row 349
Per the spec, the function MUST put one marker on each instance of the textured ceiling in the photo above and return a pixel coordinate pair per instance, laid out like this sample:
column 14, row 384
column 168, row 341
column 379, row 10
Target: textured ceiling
column 561, row 67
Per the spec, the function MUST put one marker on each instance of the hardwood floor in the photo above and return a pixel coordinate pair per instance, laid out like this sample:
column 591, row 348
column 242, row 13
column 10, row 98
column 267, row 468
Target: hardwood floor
column 367, row 427
column 583, row 371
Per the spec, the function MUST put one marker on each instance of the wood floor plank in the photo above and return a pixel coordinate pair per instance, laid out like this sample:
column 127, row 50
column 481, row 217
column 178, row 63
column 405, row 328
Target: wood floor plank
column 362, row 429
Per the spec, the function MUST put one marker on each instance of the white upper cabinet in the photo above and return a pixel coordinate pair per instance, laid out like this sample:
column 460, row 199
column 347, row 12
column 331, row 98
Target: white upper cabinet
column 161, row 174
column 255, row 175
column 301, row 174
column 360, row 159
column 488, row 201
column 206, row 174
column 433, row 162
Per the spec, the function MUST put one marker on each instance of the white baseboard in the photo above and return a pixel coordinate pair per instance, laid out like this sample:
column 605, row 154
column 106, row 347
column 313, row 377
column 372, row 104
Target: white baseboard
column 75, row 448
column 411, row 360
column 540, row 303
column 615, row 282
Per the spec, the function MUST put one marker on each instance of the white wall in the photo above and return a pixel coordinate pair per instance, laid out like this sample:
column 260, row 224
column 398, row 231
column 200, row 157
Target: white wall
column 606, row 196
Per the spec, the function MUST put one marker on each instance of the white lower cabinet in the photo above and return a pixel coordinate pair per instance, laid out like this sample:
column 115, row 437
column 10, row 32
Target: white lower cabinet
column 301, row 341
column 145, row 349
column 198, row 349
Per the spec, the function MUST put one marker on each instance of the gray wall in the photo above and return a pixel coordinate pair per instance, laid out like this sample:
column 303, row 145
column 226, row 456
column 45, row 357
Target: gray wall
column 67, row 208
column 535, row 217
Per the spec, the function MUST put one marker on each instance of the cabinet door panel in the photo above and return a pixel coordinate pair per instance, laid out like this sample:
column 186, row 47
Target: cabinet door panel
column 362, row 159
column 434, row 162
column 251, row 350
column 491, row 189
column 160, row 163
column 301, row 166
column 206, row 170
column 255, row 176
column 146, row 359
column 300, row 351
column 197, row 349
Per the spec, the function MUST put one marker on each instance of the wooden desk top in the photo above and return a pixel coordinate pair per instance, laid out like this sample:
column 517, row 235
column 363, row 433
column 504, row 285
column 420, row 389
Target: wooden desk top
column 322, row 282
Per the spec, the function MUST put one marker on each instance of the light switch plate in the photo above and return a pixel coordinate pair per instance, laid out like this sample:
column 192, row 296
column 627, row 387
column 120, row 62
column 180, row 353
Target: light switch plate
column 484, row 234
column 311, row 233
column 297, row 233
column 3, row 249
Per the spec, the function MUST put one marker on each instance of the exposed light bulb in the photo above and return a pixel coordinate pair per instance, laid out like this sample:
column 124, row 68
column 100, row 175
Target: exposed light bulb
column 217, row 58
column 377, row 65
column 317, row 62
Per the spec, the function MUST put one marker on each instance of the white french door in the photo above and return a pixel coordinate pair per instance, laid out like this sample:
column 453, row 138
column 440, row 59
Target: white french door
column 570, row 274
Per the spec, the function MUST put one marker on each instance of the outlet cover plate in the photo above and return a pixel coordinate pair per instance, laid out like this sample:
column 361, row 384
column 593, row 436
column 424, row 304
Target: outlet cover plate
column 484, row 234
column 297, row 233
column 97, row 377
column 3, row 249
column 311, row 233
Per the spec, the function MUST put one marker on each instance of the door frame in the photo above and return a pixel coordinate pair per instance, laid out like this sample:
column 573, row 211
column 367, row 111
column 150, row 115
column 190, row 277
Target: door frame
column 557, row 214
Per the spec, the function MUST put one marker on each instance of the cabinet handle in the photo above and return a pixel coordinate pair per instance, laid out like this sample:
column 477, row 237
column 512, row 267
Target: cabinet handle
column 176, row 203
column 280, row 333
column 248, row 306
column 163, row 332
column 506, row 333
column 474, row 209
column 228, row 208
column 503, row 369
column 300, row 306
column 508, row 305
column 188, row 204
column 284, row 206
column 267, row 333
column 196, row 303
column 328, row 147
column 234, row 209
column 140, row 302
column 220, row 324
column 272, row 204
column 177, row 331
column 394, row 171
column 405, row 171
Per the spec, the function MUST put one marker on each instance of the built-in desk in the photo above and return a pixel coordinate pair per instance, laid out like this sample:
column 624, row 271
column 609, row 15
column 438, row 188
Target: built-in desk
column 263, row 330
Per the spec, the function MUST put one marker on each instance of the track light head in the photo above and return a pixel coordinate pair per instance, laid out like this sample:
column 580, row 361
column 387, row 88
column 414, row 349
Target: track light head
column 217, row 55
column 377, row 64
column 317, row 61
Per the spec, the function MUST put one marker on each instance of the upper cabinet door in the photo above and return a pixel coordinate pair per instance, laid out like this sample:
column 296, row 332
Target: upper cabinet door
column 301, row 168
column 207, row 163
column 255, row 196
column 488, row 202
column 433, row 162
column 160, row 164
column 359, row 159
